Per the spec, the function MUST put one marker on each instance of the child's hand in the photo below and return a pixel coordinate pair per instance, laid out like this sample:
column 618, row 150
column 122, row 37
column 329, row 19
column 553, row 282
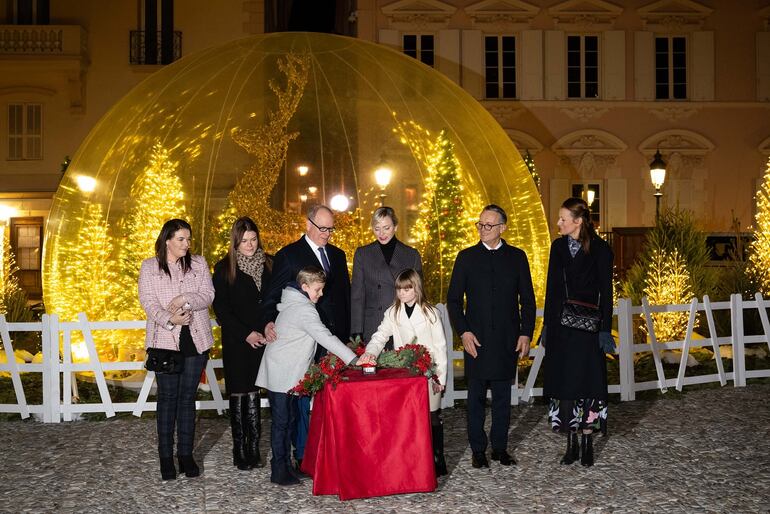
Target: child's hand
column 437, row 388
column 367, row 358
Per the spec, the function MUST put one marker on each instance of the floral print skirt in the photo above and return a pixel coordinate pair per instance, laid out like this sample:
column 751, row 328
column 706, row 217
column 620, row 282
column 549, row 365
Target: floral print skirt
column 567, row 416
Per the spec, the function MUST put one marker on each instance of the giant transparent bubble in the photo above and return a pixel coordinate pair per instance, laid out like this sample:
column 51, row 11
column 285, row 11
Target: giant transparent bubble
column 228, row 131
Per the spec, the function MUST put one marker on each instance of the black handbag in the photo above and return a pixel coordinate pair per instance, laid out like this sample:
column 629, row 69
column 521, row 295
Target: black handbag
column 579, row 315
column 169, row 362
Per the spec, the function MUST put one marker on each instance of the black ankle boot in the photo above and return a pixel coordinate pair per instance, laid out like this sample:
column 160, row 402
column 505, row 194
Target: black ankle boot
column 167, row 468
column 188, row 466
column 573, row 450
column 252, row 423
column 237, row 423
column 587, row 450
column 439, row 462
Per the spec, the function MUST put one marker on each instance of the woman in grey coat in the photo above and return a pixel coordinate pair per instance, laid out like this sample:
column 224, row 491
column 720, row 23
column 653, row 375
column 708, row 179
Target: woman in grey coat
column 375, row 268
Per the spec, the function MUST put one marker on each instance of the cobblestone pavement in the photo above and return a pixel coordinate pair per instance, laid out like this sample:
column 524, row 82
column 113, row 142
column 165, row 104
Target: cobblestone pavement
column 701, row 451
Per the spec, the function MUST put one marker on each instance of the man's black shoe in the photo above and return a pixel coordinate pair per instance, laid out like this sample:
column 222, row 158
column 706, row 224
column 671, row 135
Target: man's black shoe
column 479, row 460
column 504, row 457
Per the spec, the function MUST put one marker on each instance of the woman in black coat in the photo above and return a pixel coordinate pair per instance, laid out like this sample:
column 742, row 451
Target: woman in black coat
column 575, row 368
column 239, row 280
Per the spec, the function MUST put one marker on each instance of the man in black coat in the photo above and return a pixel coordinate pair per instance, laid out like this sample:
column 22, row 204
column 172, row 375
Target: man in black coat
column 312, row 249
column 334, row 305
column 491, row 304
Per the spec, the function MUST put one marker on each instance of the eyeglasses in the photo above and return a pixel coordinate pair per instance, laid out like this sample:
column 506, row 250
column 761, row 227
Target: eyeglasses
column 486, row 226
column 322, row 229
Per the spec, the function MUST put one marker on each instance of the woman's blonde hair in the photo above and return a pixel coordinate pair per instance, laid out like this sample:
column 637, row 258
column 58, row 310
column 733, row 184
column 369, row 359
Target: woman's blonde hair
column 384, row 212
column 409, row 278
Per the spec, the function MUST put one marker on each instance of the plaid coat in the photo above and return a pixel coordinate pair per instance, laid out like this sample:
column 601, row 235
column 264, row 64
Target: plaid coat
column 156, row 290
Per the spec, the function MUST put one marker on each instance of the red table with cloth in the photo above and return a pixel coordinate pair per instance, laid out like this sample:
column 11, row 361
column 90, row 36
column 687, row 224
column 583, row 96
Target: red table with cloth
column 370, row 436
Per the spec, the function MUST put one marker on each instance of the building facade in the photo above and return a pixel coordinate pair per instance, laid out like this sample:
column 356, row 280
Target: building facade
column 591, row 89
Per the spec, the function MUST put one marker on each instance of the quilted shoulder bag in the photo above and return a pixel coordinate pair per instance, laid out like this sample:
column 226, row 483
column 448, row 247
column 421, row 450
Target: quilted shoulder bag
column 579, row 315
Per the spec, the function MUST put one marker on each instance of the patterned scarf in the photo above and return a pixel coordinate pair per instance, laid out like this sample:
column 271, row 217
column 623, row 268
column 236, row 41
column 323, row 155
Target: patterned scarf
column 574, row 246
column 252, row 266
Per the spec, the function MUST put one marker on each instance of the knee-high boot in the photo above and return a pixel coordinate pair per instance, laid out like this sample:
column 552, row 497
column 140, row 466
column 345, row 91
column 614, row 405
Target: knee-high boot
column 437, row 429
column 573, row 449
column 587, row 450
column 239, row 439
column 253, row 429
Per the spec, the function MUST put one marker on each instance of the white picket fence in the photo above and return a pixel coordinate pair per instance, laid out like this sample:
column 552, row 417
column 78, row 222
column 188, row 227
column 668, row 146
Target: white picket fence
column 60, row 372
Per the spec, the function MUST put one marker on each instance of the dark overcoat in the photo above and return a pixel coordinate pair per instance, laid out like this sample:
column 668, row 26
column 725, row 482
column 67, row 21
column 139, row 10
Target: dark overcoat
column 575, row 365
column 490, row 294
column 237, row 307
column 373, row 287
column 334, row 305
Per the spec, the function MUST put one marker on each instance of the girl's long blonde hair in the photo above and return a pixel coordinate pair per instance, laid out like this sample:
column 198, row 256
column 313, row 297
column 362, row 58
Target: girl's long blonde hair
column 410, row 278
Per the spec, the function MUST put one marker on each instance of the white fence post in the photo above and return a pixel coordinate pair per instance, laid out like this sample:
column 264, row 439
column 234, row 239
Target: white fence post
column 448, row 399
column 13, row 367
column 739, row 356
column 714, row 342
column 625, row 350
column 51, row 393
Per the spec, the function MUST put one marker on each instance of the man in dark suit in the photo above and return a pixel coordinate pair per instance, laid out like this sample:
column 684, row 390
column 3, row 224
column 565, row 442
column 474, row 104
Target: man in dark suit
column 491, row 304
column 312, row 249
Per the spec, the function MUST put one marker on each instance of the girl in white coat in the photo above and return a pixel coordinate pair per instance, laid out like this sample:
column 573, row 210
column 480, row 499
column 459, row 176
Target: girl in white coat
column 412, row 319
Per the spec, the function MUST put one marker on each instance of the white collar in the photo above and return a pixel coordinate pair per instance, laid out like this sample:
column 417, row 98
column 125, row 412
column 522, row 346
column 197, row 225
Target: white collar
column 315, row 248
column 499, row 244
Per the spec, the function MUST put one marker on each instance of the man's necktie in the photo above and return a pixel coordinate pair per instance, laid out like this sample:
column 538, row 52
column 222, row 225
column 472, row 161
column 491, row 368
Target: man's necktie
column 324, row 259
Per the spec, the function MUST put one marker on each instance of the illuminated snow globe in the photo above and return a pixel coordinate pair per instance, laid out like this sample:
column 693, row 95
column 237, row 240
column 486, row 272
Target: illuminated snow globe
column 268, row 126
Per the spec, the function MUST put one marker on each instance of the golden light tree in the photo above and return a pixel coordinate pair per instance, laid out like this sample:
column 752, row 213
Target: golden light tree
column 759, row 250
column 445, row 222
column 668, row 283
column 268, row 144
column 156, row 197
column 87, row 281
column 9, row 282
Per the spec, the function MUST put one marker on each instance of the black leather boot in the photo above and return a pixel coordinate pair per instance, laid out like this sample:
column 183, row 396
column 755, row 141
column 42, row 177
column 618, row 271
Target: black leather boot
column 188, row 466
column 587, row 450
column 167, row 468
column 439, row 462
column 573, row 450
column 252, row 424
column 236, row 424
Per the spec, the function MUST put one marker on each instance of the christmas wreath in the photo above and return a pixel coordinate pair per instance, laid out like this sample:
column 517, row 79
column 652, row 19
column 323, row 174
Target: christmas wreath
column 414, row 357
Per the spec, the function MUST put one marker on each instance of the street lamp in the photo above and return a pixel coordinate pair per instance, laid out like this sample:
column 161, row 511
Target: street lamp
column 658, row 176
column 590, row 196
column 382, row 176
column 302, row 170
column 85, row 183
column 339, row 202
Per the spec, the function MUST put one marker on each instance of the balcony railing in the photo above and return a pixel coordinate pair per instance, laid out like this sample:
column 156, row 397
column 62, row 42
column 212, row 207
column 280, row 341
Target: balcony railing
column 137, row 47
column 57, row 40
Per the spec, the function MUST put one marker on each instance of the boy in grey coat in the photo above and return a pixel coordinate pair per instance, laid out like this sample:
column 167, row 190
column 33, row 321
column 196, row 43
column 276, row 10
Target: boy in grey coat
column 286, row 360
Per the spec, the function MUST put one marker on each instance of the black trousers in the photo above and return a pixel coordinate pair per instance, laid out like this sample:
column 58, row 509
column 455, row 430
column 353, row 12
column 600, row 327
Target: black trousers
column 176, row 407
column 501, row 413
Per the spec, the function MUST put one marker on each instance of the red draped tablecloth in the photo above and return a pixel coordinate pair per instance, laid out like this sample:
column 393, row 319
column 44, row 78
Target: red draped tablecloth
column 370, row 436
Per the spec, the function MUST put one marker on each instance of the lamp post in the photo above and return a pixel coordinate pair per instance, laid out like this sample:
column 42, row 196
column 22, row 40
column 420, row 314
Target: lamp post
column 658, row 176
column 302, row 171
column 382, row 176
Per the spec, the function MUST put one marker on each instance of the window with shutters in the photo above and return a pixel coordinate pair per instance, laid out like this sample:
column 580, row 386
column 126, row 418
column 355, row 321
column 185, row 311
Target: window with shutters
column 583, row 66
column 500, row 66
column 419, row 46
column 670, row 68
column 25, row 131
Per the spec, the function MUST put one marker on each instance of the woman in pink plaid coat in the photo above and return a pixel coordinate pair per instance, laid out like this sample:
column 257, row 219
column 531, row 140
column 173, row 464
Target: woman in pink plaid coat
column 175, row 290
